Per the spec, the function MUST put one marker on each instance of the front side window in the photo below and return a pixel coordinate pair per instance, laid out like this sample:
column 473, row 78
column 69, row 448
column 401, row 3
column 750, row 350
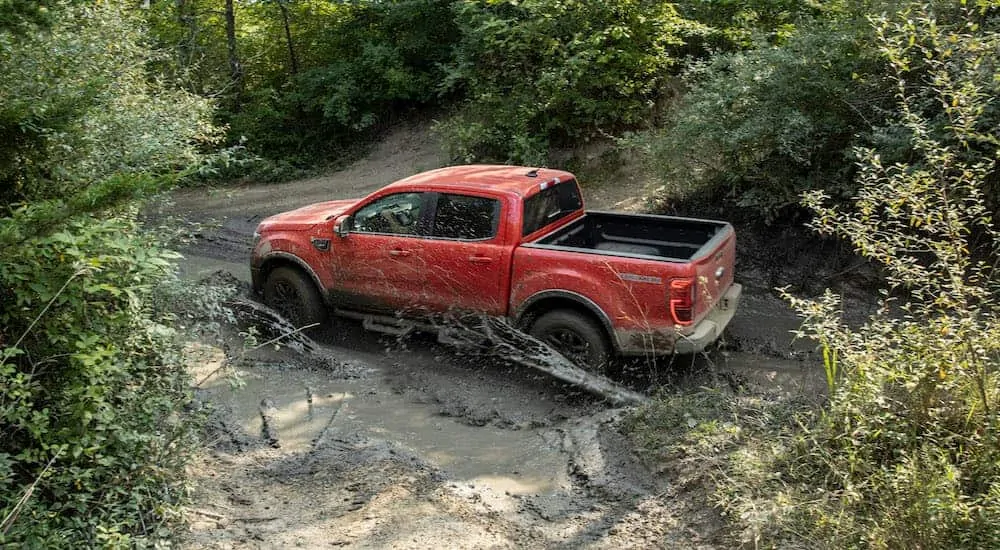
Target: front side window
column 397, row 214
column 466, row 217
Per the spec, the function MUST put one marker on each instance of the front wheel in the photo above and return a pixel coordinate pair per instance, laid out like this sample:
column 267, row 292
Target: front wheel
column 294, row 296
column 577, row 337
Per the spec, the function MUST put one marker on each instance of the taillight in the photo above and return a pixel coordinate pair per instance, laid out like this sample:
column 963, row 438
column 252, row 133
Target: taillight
column 682, row 300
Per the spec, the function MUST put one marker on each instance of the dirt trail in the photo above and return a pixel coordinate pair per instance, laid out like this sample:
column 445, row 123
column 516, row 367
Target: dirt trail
column 408, row 444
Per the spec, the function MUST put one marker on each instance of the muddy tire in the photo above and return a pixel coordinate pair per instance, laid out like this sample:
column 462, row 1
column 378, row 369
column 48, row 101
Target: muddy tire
column 292, row 294
column 577, row 336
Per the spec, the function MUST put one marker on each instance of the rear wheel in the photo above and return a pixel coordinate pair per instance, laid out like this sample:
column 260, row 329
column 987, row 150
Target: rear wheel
column 576, row 336
column 292, row 294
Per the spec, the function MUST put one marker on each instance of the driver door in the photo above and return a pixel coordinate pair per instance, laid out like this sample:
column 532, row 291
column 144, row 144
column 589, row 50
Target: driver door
column 379, row 265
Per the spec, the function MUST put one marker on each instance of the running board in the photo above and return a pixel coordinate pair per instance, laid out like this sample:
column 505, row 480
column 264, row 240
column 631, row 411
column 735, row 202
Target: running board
column 388, row 325
column 384, row 324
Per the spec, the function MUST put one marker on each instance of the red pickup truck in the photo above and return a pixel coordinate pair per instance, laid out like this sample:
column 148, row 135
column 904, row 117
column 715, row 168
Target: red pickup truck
column 504, row 241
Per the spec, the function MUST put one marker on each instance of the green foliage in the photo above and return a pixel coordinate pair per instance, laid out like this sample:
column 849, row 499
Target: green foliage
column 357, row 66
column 370, row 61
column 77, row 106
column 907, row 452
column 706, row 437
column 740, row 22
column 21, row 15
column 90, row 385
column 759, row 127
column 388, row 55
column 537, row 72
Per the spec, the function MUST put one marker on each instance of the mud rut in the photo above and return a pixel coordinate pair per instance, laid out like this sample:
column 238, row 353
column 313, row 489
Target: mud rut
column 363, row 441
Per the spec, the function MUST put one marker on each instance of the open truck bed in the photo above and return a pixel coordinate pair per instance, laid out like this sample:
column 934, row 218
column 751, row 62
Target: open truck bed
column 667, row 281
column 638, row 235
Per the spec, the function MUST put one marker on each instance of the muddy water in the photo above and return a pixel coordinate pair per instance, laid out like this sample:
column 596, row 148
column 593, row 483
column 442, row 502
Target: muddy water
column 790, row 377
column 310, row 408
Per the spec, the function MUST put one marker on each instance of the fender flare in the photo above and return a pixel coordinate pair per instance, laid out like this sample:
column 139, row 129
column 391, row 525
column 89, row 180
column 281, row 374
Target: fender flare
column 578, row 299
column 299, row 262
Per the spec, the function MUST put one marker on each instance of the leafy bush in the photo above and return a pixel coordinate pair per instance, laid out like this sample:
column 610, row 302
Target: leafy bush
column 387, row 56
column 906, row 453
column 77, row 106
column 537, row 72
column 357, row 66
column 759, row 127
column 741, row 22
column 91, row 388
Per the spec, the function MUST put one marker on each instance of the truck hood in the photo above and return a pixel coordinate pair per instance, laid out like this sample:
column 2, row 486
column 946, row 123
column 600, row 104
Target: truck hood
column 306, row 217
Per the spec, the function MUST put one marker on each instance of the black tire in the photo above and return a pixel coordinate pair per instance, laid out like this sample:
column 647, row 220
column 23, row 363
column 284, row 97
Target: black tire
column 292, row 294
column 577, row 336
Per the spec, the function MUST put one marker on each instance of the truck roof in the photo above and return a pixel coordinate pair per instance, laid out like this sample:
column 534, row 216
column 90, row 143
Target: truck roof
column 523, row 181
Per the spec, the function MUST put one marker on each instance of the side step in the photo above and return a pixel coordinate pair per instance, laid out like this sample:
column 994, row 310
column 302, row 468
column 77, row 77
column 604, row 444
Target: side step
column 380, row 323
column 387, row 325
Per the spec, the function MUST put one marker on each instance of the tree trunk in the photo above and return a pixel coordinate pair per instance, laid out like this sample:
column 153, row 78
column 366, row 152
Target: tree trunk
column 235, row 67
column 288, row 38
column 188, row 46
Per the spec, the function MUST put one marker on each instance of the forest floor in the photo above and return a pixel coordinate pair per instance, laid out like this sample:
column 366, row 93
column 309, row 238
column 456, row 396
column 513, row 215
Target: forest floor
column 387, row 443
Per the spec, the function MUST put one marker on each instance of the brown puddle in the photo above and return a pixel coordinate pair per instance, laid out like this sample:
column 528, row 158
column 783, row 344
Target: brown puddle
column 789, row 377
column 527, row 461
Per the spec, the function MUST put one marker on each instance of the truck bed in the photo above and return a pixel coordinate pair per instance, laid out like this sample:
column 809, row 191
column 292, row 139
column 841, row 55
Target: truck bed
column 637, row 235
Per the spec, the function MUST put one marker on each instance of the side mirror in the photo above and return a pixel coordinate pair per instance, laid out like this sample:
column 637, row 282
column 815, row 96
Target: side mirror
column 342, row 226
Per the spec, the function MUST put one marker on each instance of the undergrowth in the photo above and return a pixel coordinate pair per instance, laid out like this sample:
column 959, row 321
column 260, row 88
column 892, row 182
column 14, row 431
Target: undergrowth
column 92, row 390
column 905, row 450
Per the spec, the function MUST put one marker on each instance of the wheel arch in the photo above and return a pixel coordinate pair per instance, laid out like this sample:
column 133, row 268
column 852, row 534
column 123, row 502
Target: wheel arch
column 550, row 300
column 284, row 259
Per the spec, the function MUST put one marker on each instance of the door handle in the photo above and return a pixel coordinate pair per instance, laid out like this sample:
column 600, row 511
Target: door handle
column 480, row 259
column 397, row 252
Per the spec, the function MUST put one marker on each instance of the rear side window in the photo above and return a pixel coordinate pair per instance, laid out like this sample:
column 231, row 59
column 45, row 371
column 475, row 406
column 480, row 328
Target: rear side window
column 549, row 205
column 466, row 217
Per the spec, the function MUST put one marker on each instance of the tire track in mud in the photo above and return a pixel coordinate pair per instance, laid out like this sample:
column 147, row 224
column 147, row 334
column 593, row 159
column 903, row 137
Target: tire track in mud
column 383, row 469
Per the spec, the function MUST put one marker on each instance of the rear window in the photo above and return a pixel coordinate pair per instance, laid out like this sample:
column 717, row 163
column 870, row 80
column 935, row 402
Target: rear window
column 549, row 205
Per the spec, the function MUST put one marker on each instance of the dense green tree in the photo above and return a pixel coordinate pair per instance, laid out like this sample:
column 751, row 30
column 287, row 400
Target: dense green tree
column 758, row 127
column 906, row 452
column 739, row 23
column 77, row 106
column 313, row 74
column 537, row 72
column 22, row 15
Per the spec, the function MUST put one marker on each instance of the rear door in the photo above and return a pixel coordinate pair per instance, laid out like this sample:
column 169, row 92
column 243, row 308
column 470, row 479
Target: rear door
column 467, row 260
column 380, row 264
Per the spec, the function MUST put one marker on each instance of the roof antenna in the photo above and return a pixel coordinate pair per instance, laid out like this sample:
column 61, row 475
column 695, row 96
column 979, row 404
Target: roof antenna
column 533, row 173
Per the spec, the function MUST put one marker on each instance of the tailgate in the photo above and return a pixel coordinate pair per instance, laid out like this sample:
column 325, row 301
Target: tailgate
column 713, row 267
